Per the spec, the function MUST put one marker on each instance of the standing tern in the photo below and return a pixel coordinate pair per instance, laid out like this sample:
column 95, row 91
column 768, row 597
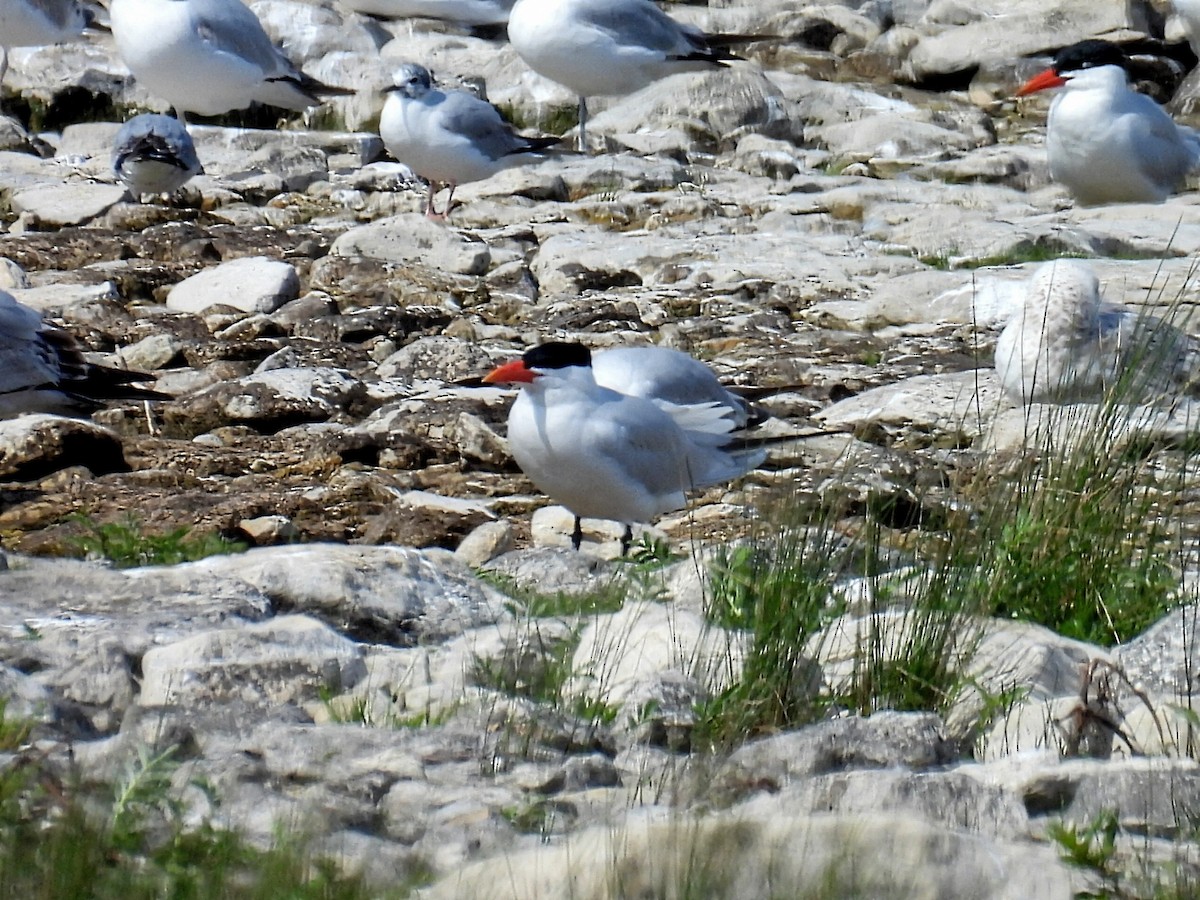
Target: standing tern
column 208, row 57
column 1067, row 345
column 154, row 154
column 607, row 455
column 611, row 47
column 448, row 136
column 42, row 369
column 1106, row 142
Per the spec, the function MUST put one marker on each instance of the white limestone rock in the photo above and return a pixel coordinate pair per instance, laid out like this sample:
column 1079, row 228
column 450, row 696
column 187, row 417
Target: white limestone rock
column 253, row 284
column 416, row 239
column 284, row 660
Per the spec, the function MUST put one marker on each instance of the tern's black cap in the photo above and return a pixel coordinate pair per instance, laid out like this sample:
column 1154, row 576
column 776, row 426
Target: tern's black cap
column 1089, row 54
column 557, row 355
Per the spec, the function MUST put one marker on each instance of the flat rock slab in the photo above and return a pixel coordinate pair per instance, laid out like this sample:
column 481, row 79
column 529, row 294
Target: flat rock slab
column 416, row 239
column 943, row 409
column 60, row 205
column 287, row 659
column 393, row 595
column 253, row 284
column 766, row 850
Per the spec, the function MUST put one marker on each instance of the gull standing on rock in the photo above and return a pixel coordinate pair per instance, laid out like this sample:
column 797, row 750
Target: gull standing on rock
column 208, row 57
column 607, row 455
column 1067, row 345
column 611, row 47
column 42, row 369
column 1106, row 142
column 154, row 154
column 448, row 136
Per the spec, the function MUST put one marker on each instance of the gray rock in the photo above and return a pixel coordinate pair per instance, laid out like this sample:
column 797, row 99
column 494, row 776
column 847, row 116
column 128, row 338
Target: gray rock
column 416, row 239
column 884, row 740
column 34, row 445
column 286, row 660
column 484, row 543
column 752, row 853
column 938, row 410
column 59, row 205
column 251, row 284
column 436, row 358
column 386, row 594
column 274, row 398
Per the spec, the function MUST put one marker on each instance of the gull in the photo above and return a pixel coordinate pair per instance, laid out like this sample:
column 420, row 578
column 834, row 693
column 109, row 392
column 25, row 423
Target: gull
column 1106, row 142
column 1188, row 12
column 474, row 13
column 607, row 455
column 154, row 154
column 36, row 23
column 42, row 369
column 208, row 57
column 611, row 47
column 670, row 376
column 1067, row 345
column 448, row 136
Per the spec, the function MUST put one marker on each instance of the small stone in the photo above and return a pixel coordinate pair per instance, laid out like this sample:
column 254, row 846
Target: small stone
column 485, row 543
column 263, row 530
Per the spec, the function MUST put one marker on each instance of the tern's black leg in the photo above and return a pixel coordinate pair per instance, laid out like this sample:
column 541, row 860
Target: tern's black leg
column 581, row 143
column 626, row 540
column 577, row 534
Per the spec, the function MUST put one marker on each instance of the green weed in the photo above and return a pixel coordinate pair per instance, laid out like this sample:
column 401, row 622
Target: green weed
column 126, row 543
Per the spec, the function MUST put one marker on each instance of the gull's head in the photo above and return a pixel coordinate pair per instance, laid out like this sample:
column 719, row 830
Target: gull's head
column 1065, row 284
column 410, row 80
column 1078, row 62
column 538, row 362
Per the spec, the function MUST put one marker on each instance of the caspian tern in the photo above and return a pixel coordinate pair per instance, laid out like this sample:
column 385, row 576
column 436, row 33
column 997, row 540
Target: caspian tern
column 42, row 369
column 607, row 455
column 448, row 136
column 664, row 375
column 1106, row 142
column 154, row 154
column 601, row 48
column 1067, row 345
column 208, row 57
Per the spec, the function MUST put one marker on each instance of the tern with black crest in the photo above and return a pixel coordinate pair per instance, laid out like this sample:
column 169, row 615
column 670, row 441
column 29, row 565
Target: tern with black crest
column 1106, row 142
column 608, row 455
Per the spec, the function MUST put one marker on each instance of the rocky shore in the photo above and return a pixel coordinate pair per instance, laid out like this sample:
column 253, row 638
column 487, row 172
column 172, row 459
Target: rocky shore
column 842, row 223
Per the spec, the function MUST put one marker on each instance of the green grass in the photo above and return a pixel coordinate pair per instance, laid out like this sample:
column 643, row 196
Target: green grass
column 61, row 839
column 776, row 589
column 1076, row 539
column 126, row 543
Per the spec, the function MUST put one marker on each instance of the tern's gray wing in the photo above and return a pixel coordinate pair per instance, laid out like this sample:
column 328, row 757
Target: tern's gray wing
column 231, row 27
column 481, row 123
column 641, row 441
column 1170, row 151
